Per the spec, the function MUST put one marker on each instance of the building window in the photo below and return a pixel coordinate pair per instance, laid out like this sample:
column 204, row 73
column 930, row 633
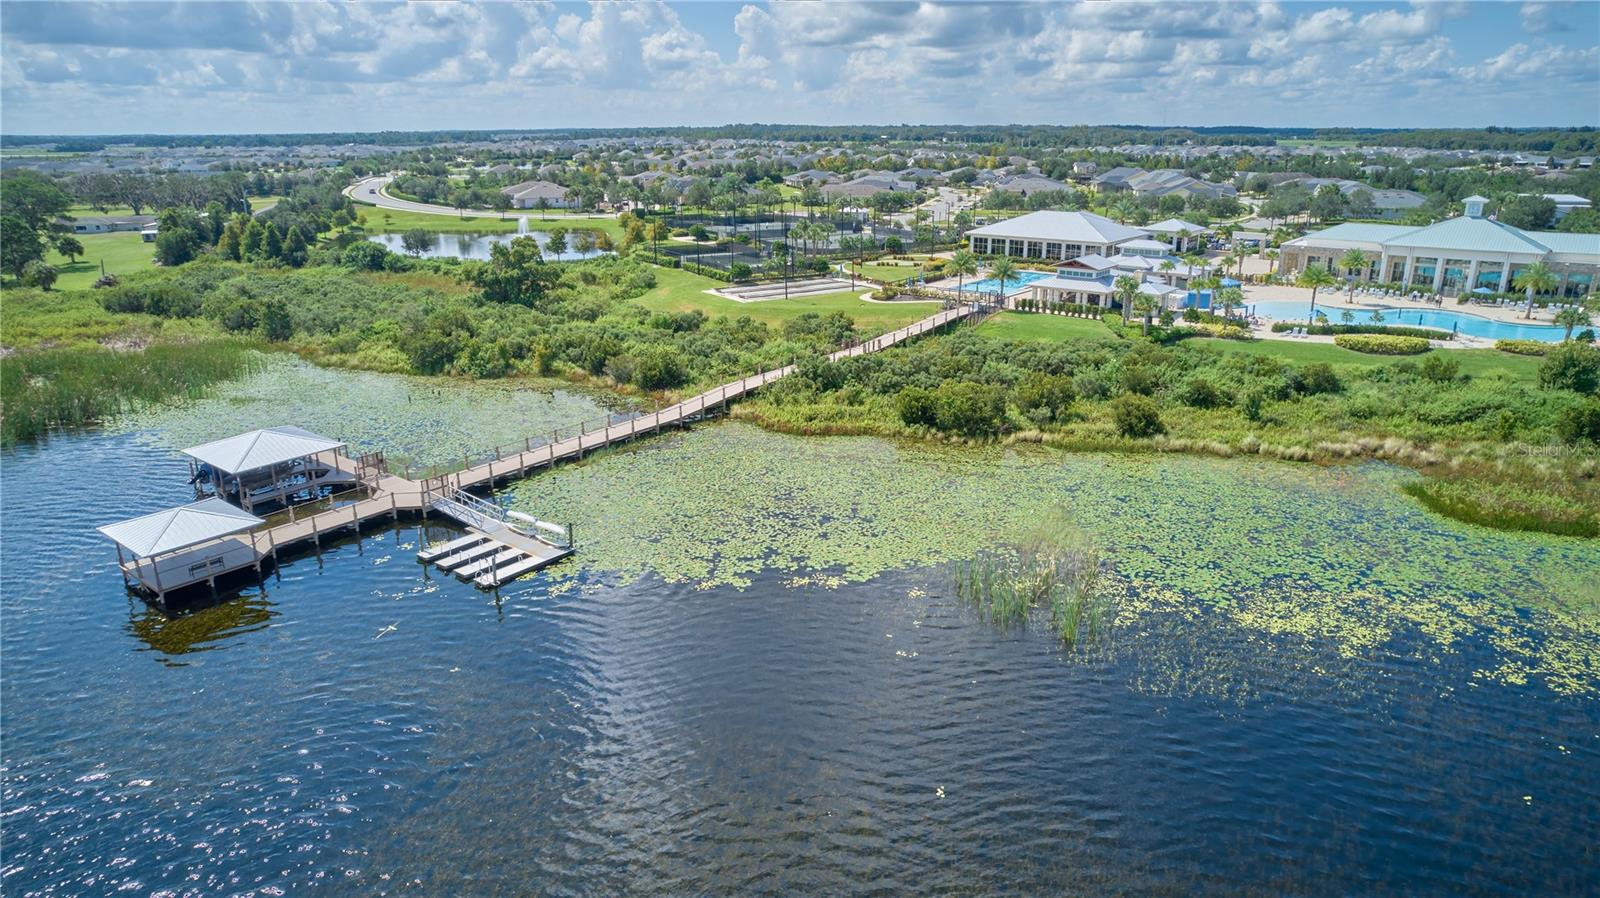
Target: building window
column 1073, row 251
column 1052, row 250
column 1397, row 271
column 1422, row 272
column 1035, row 249
column 980, row 245
column 1578, row 285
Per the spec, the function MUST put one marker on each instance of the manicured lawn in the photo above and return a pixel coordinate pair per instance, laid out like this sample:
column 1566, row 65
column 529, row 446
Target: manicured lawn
column 256, row 203
column 124, row 252
column 1476, row 362
column 894, row 274
column 682, row 291
column 1033, row 327
column 394, row 221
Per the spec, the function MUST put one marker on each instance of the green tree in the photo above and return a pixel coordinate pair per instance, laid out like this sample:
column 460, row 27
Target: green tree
column 254, row 237
column 417, row 241
column 1042, row 397
column 1002, row 269
column 1573, row 317
column 556, row 241
column 272, row 244
column 1536, row 278
column 1530, row 213
column 1315, row 277
column 1125, row 289
column 1328, row 203
column 1230, row 297
column 516, row 273
column 19, row 245
column 39, row 274
column 69, row 246
column 295, row 251
column 961, row 265
column 1354, row 263
column 32, row 197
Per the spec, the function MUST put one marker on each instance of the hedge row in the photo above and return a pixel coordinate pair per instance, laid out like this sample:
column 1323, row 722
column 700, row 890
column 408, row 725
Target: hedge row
column 1382, row 344
column 1522, row 347
column 1327, row 330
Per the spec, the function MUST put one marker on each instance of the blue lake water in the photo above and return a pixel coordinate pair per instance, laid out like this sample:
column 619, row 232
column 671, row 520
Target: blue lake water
column 1443, row 319
column 1014, row 285
column 477, row 246
column 357, row 725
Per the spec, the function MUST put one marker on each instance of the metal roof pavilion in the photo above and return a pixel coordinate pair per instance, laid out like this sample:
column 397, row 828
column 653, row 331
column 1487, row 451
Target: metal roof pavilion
column 179, row 528
column 261, row 449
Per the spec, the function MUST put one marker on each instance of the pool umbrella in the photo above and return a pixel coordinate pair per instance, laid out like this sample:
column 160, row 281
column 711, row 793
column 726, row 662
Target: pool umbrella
column 1228, row 282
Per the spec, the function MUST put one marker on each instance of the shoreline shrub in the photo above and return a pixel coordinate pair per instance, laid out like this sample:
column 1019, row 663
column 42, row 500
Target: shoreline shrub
column 1137, row 416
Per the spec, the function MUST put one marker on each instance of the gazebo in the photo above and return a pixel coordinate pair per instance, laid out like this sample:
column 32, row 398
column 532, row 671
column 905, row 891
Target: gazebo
column 266, row 465
column 185, row 545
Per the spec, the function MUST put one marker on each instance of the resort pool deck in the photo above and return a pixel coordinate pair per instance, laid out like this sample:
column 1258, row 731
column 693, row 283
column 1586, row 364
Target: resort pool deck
column 1014, row 285
column 1442, row 319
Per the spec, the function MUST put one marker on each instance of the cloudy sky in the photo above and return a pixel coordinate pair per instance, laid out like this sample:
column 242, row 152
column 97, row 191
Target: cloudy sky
column 87, row 67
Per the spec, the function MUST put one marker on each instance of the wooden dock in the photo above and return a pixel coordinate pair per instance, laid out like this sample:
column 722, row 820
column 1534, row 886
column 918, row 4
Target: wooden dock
column 391, row 495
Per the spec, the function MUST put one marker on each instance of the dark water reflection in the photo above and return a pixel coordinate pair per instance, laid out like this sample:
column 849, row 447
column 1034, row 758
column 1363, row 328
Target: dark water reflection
column 354, row 726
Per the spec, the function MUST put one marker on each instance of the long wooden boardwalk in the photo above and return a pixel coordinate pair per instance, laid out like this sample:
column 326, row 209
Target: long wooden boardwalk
column 390, row 494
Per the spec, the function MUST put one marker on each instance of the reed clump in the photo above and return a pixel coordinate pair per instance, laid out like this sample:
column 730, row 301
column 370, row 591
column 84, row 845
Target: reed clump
column 45, row 389
column 1055, row 570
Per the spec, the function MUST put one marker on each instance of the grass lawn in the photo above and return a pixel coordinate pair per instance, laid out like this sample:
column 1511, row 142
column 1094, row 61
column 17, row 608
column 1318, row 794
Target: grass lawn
column 76, row 211
column 894, row 274
column 124, row 252
column 394, row 221
column 1476, row 362
column 1032, row 327
column 682, row 291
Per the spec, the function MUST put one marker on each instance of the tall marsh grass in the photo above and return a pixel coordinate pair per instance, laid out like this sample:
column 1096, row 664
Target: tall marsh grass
column 1055, row 568
column 49, row 388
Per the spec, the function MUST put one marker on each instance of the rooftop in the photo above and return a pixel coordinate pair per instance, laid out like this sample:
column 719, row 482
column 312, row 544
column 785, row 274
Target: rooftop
column 179, row 528
column 1079, row 227
column 261, row 449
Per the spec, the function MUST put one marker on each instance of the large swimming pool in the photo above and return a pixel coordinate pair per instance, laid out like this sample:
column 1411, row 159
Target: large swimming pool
column 1014, row 284
column 1443, row 319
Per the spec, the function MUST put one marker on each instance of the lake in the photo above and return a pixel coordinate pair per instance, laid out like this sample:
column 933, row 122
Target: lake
column 477, row 246
column 754, row 679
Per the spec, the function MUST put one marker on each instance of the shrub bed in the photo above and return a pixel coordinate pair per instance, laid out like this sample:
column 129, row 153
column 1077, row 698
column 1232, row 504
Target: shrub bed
column 1328, row 330
column 1382, row 344
column 1522, row 347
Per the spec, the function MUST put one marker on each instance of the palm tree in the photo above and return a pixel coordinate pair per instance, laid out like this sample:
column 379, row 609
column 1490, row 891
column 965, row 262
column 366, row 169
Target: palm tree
column 1193, row 259
column 1315, row 277
column 1352, row 261
column 1144, row 304
column 1167, row 267
column 1572, row 317
column 1002, row 269
column 1126, row 290
column 1536, row 278
column 1230, row 297
column 961, row 263
column 1272, row 256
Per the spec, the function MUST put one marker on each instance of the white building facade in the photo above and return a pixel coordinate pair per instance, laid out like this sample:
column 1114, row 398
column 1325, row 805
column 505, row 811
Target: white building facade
column 1450, row 257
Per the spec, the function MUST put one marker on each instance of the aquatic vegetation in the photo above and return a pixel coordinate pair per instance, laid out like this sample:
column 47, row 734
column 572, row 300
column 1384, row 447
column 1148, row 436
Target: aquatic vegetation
column 1054, row 567
column 419, row 421
column 68, row 387
column 1326, row 555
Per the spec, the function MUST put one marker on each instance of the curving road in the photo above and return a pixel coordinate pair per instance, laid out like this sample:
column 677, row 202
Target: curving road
column 375, row 192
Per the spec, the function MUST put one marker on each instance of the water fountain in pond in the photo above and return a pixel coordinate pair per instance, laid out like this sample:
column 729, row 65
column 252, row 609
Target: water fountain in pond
column 522, row 225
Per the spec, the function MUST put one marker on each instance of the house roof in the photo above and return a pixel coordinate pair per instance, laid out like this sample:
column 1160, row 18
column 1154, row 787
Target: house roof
column 178, row 528
column 1466, row 233
column 261, row 448
column 1176, row 226
column 1071, row 227
column 535, row 189
column 1145, row 243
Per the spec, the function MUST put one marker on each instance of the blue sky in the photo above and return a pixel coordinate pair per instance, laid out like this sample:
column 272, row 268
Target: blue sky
column 87, row 67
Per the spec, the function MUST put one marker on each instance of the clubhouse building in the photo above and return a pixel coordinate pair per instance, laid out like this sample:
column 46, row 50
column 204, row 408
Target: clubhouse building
column 1068, row 235
column 1092, row 251
column 1451, row 257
